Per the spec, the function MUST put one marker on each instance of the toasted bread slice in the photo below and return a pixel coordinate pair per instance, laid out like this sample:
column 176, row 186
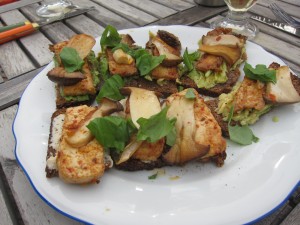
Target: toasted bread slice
column 83, row 44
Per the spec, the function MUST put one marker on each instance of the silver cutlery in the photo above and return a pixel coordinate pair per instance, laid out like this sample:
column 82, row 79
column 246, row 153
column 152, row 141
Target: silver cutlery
column 284, row 15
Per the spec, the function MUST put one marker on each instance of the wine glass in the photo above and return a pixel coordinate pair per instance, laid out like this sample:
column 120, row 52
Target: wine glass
column 53, row 8
column 237, row 18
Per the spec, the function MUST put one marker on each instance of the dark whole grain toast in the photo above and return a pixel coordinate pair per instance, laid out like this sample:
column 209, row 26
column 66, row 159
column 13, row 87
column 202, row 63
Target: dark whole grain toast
column 63, row 103
column 51, row 152
column 136, row 165
column 218, row 89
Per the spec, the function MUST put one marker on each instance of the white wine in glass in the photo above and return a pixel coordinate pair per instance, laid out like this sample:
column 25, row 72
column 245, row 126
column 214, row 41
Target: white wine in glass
column 53, row 8
column 237, row 18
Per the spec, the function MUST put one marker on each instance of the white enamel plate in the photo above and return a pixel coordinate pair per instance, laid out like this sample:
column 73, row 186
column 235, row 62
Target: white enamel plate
column 255, row 179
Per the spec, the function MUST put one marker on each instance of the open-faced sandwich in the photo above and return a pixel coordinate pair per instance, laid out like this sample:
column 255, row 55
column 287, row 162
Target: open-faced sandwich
column 76, row 71
column 73, row 153
column 153, row 68
column 214, row 68
column 181, row 130
column 261, row 89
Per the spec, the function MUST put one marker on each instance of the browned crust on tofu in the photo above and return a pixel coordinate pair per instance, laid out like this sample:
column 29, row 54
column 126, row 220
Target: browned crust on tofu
column 213, row 105
column 51, row 151
column 123, row 70
column 166, row 89
column 215, row 91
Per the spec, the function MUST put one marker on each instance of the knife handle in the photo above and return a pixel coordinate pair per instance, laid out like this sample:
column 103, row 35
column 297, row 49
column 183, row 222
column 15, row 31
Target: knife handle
column 12, row 26
column 17, row 32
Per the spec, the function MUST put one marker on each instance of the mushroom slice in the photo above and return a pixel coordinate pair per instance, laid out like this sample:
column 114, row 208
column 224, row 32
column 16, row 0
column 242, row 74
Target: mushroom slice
column 198, row 133
column 60, row 76
column 172, row 55
column 170, row 39
column 82, row 135
column 230, row 54
column 283, row 91
column 228, row 40
column 141, row 103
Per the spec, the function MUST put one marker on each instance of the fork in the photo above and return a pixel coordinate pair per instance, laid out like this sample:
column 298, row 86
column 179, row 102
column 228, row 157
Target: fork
column 283, row 15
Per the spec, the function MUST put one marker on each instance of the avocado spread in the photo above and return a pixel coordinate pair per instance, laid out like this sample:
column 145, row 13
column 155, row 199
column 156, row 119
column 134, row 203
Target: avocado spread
column 209, row 79
column 246, row 116
column 78, row 98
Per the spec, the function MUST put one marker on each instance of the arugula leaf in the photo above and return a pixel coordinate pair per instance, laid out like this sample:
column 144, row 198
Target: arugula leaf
column 242, row 135
column 153, row 176
column 190, row 94
column 110, row 37
column 111, row 88
column 188, row 59
column 260, row 72
column 71, row 59
column 110, row 132
column 147, row 62
column 156, row 127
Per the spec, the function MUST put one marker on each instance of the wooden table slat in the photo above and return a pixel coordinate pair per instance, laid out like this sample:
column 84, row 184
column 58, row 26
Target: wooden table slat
column 104, row 16
column 176, row 4
column 12, row 90
column 133, row 14
column 151, row 7
column 190, row 16
column 293, row 218
column 36, row 44
column 294, row 11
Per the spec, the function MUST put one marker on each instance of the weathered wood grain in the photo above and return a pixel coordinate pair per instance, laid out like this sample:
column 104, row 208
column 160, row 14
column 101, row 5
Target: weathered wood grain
column 14, row 60
column 277, row 216
column 294, row 11
column 175, row 4
column 36, row 44
column 11, row 90
column 294, row 2
column 190, row 16
column 293, row 218
column 83, row 24
column 16, row 5
column 133, row 14
column 104, row 16
column 153, row 8
column 4, row 211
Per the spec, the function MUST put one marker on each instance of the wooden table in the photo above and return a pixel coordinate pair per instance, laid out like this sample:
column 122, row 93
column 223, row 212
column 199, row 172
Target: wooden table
column 21, row 60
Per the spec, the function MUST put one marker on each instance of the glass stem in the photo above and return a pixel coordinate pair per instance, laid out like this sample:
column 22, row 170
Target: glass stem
column 237, row 16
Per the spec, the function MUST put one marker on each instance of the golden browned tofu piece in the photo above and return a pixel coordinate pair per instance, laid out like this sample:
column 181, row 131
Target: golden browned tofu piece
column 85, row 86
column 149, row 151
column 123, row 70
column 209, row 62
column 83, row 164
column 162, row 72
column 249, row 95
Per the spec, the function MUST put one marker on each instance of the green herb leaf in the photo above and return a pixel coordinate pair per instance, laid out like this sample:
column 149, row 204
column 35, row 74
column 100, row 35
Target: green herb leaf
column 71, row 59
column 111, row 88
column 156, row 127
column 146, row 63
column 190, row 94
column 110, row 37
column 153, row 176
column 242, row 135
column 188, row 59
column 260, row 72
column 110, row 132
